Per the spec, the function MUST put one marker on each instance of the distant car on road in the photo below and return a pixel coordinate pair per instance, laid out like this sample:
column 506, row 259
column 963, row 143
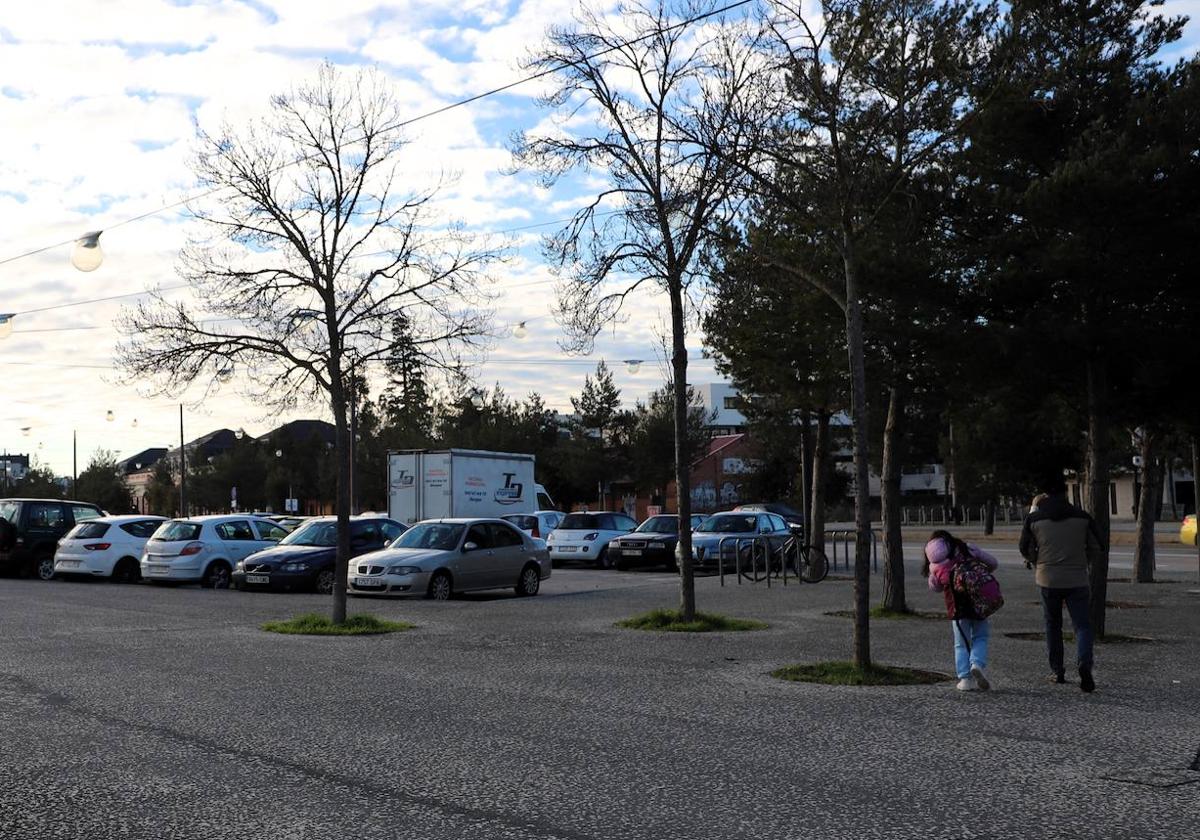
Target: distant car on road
column 305, row 558
column 652, row 544
column 205, row 549
column 585, row 537
column 31, row 530
column 440, row 557
column 108, row 546
column 1187, row 531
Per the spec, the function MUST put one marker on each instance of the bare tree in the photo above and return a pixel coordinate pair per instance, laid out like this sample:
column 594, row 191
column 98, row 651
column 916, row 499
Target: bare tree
column 654, row 106
column 306, row 255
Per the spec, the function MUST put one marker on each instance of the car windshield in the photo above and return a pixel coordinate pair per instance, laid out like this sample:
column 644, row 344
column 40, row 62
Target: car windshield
column 313, row 533
column 10, row 510
column 579, row 522
column 441, row 536
column 660, row 525
column 729, row 524
column 177, row 530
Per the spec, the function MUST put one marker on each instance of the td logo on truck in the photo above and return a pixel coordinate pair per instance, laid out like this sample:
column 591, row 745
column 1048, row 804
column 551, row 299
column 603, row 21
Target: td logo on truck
column 404, row 480
column 511, row 492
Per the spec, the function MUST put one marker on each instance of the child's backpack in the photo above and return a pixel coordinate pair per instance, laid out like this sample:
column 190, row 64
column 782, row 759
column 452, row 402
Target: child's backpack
column 977, row 588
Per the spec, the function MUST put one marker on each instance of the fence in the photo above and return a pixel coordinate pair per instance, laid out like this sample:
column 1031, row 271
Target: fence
column 961, row 515
column 846, row 539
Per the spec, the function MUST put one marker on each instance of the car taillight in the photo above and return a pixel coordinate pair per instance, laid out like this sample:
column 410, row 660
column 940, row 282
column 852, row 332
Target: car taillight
column 536, row 534
column 192, row 548
column 97, row 546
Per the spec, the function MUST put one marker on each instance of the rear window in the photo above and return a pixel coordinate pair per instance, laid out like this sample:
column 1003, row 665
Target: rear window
column 579, row 522
column 177, row 530
column 730, row 524
column 142, row 530
column 525, row 522
column 90, row 530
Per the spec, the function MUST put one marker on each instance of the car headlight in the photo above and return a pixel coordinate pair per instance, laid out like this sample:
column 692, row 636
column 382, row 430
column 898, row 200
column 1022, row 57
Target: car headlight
column 241, row 565
column 591, row 536
column 295, row 566
column 403, row 570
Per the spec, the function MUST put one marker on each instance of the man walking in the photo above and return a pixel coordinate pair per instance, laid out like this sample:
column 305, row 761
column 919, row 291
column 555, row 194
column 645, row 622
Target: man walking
column 1061, row 540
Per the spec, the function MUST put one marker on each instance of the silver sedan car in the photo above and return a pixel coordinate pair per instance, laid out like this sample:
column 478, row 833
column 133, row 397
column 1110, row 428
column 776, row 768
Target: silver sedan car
column 440, row 557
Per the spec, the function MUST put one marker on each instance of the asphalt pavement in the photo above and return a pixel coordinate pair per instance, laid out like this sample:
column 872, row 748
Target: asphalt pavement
column 142, row 712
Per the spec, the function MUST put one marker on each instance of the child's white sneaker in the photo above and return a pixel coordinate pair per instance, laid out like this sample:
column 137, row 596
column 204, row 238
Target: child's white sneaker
column 967, row 684
column 981, row 679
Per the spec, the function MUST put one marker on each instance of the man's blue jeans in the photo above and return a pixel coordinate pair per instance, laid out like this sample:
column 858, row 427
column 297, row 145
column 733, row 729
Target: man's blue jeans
column 1077, row 601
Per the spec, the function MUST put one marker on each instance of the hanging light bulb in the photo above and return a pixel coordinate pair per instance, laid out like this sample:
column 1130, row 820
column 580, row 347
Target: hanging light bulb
column 6, row 325
column 87, row 254
column 477, row 399
column 109, row 416
column 226, row 373
column 134, row 423
column 25, row 430
column 520, row 330
column 239, row 434
column 633, row 365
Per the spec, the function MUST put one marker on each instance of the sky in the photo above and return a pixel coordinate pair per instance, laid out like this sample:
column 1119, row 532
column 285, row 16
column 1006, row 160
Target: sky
column 99, row 103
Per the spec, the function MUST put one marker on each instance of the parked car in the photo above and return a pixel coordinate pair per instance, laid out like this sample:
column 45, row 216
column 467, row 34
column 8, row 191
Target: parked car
column 750, row 526
column 438, row 558
column 289, row 523
column 538, row 524
column 306, row 557
column 1187, row 531
column 652, row 544
column 31, row 530
column 205, row 549
column 109, row 546
column 793, row 517
column 585, row 537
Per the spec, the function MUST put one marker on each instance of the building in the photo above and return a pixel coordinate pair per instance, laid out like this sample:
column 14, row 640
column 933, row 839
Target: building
column 722, row 406
column 15, row 467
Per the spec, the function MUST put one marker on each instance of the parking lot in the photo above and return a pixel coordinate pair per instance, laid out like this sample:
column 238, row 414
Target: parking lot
column 146, row 712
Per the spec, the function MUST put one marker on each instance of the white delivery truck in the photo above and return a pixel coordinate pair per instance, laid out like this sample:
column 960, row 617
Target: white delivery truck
column 444, row 483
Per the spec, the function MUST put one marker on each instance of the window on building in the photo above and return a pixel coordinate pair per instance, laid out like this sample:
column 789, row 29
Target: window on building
column 734, row 403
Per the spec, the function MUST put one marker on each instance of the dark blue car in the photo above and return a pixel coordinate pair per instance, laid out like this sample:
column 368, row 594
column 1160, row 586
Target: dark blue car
column 304, row 559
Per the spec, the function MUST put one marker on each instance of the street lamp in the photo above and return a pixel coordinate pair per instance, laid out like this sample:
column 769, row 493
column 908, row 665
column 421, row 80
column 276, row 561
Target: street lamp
column 87, row 254
column 239, row 434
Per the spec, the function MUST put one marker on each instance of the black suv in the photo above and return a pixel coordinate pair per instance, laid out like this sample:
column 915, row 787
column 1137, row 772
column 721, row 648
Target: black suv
column 31, row 529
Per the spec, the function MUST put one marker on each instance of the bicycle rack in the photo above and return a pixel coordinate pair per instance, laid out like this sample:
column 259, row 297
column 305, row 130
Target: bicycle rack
column 768, row 554
column 846, row 538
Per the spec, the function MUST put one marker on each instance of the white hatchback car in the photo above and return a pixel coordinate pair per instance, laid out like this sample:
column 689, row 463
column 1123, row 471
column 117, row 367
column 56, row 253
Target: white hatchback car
column 585, row 537
column 106, row 547
column 205, row 549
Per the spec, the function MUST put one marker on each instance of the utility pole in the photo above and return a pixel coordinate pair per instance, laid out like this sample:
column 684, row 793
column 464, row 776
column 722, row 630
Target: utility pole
column 74, row 464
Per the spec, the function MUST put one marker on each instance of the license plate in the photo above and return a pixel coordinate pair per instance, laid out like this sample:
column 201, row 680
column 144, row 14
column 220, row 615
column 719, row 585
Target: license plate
column 633, row 552
column 567, row 548
column 368, row 582
column 159, row 570
column 258, row 578
column 68, row 564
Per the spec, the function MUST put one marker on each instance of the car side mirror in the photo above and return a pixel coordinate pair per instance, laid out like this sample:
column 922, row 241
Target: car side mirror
column 469, row 546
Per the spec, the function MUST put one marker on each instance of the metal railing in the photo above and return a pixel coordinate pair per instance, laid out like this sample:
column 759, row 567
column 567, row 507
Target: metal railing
column 846, row 539
column 961, row 515
column 762, row 551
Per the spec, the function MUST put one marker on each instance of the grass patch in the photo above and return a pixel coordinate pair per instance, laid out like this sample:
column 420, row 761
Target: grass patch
column 311, row 624
column 669, row 621
column 847, row 673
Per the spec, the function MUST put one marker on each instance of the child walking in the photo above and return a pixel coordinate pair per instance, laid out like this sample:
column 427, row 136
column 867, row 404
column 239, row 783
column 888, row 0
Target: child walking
column 943, row 553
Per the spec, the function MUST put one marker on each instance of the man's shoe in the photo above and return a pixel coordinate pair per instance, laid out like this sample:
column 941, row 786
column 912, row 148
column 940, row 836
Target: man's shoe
column 1057, row 678
column 1086, row 683
column 967, row 684
column 981, row 679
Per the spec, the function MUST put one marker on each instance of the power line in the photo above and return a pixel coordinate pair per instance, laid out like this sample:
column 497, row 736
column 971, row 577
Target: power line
column 418, row 118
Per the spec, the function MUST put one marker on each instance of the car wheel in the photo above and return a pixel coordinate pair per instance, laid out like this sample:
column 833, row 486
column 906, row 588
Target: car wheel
column 440, row 587
column 530, row 582
column 126, row 571
column 602, row 559
column 45, row 567
column 324, row 583
column 621, row 566
column 216, row 576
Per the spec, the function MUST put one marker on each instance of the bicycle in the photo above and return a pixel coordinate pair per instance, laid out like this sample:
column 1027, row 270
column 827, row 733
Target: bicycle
column 808, row 562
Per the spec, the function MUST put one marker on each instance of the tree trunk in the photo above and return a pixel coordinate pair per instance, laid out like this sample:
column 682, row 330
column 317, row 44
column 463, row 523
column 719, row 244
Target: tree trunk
column 341, row 454
column 862, row 489
column 1143, row 553
column 820, row 474
column 806, row 467
column 893, row 540
column 1196, row 496
column 683, row 548
column 1097, row 483
column 989, row 516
